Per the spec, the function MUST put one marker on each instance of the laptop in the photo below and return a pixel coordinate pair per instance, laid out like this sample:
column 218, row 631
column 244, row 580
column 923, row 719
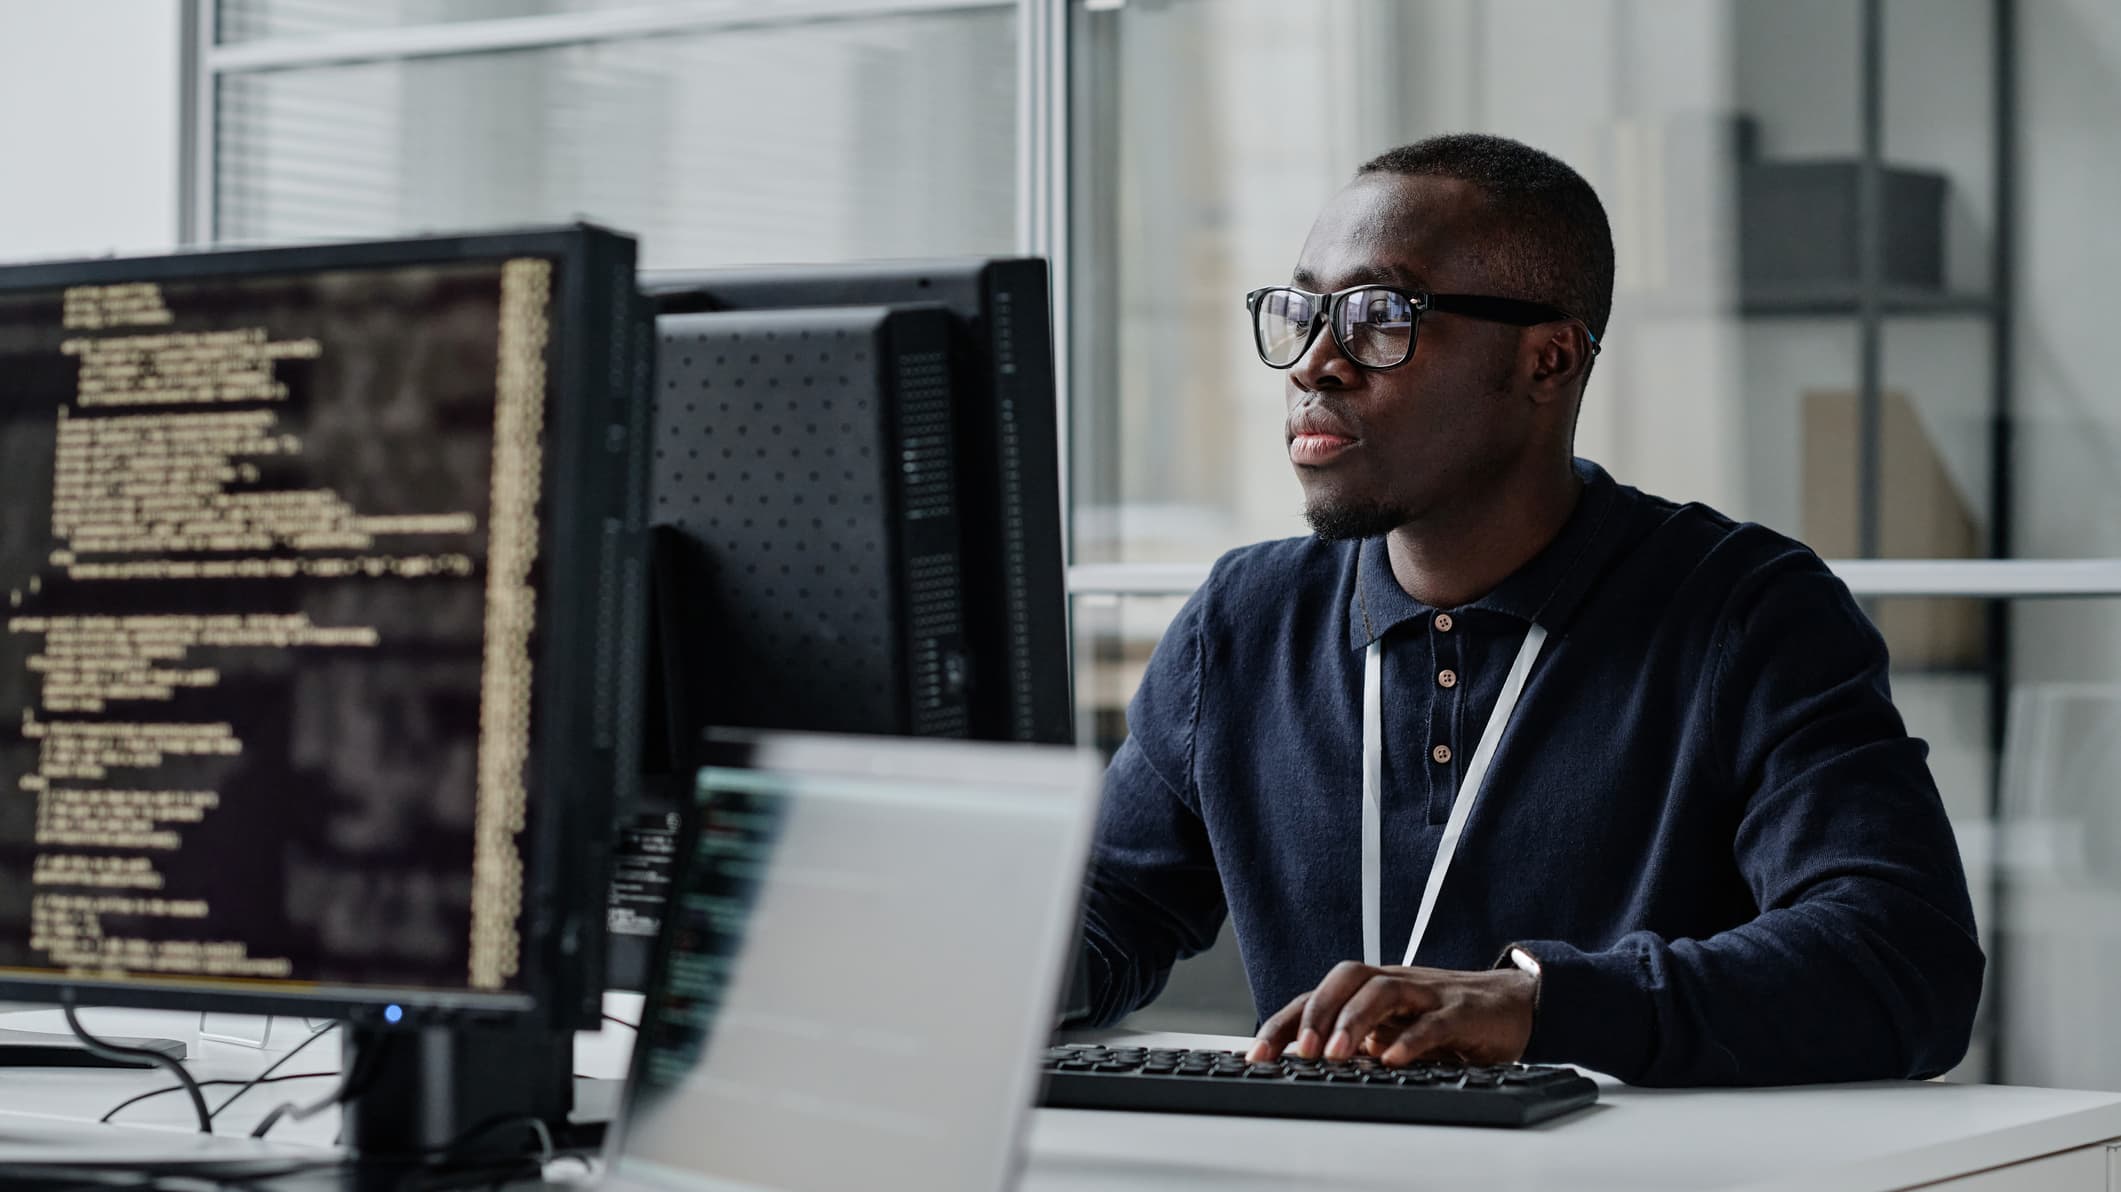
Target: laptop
column 859, row 967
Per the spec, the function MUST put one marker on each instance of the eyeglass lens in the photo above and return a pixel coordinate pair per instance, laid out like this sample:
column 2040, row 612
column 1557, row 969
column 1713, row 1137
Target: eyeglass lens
column 1283, row 322
column 1376, row 327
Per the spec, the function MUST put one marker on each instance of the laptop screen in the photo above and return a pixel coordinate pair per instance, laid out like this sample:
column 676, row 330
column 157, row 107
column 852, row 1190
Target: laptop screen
column 859, row 965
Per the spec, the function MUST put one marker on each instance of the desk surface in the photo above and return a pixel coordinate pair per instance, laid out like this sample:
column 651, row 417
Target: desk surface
column 1845, row 1138
column 1849, row 1138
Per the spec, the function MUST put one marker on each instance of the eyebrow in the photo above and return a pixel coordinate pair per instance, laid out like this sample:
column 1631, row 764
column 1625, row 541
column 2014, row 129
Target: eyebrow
column 1383, row 275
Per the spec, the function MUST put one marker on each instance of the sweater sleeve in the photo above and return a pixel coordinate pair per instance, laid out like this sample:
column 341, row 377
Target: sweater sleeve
column 1152, row 895
column 1863, row 961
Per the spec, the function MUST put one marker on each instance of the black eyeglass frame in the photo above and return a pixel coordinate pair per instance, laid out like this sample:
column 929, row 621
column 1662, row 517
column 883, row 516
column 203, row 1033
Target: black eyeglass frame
column 1515, row 311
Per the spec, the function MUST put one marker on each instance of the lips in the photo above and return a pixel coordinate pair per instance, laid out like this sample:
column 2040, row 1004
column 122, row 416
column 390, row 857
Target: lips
column 1313, row 450
column 1317, row 438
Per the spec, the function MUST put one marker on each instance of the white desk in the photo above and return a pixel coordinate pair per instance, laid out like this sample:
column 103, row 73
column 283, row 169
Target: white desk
column 1847, row 1138
column 85, row 1094
column 1852, row 1138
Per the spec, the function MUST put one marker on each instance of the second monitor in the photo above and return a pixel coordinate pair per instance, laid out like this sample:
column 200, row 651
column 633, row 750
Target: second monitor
column 1005, row 450
column 855, row 491
column 805, row 460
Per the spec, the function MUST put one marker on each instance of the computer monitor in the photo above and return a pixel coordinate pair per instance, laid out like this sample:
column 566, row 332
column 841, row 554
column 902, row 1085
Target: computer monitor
column 1006, row 447
column 807, row 460
column 320, row 674
column 938, row 521
column 824, row 976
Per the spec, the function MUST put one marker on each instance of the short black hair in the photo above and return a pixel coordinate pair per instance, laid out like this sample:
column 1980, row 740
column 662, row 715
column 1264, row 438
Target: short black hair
column 1553, row 243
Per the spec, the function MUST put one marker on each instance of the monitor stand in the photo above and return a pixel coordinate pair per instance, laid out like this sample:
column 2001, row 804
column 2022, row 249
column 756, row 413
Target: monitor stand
column 457, row 1095
column 36, row 1049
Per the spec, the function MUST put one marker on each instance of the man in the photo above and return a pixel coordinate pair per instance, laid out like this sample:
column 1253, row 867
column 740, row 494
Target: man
column 1703, row 850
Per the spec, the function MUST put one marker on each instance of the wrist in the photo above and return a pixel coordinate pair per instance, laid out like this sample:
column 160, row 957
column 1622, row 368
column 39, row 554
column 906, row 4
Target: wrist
column 1528, row 964
column 1525, row 978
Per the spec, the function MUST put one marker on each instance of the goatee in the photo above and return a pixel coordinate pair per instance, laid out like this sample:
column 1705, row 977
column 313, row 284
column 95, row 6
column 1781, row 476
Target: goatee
column 1343, row 523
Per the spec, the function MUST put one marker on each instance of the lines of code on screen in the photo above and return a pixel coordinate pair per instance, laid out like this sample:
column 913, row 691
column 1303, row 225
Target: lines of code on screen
column 268, row 552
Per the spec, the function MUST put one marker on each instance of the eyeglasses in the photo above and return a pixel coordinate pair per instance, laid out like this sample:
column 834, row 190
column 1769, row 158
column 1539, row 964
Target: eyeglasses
column 1374, row 325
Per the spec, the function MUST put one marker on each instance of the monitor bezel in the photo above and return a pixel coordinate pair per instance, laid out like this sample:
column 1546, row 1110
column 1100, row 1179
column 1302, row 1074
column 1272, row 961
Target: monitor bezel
column 575, row 780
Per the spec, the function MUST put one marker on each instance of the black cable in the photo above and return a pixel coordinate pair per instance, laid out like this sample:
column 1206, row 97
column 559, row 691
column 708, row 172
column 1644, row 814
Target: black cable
column 304, row 1112
column 129, row 1055
column 292, row 1052
column 537, row 1126
column 615, row 1019
column 352, row 1086
column 151, row 1094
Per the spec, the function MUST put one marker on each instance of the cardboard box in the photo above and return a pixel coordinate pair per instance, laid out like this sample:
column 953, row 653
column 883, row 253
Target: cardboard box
column 1921, row 515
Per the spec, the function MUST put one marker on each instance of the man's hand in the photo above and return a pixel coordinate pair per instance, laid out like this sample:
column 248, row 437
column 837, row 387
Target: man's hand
column 1401, row 1015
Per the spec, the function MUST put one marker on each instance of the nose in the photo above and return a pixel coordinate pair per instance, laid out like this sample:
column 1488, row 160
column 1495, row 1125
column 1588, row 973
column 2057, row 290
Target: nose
column 1323, row 365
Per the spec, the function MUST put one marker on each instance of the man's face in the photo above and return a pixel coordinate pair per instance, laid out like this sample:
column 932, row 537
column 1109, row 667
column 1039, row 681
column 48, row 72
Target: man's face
column 1376, row 450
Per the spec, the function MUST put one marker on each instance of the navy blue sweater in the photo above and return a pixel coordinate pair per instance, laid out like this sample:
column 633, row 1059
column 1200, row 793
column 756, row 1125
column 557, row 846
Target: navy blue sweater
column 1706, row 819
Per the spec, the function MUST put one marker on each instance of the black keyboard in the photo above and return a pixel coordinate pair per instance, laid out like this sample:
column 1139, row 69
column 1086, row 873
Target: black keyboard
column 1179, row 1080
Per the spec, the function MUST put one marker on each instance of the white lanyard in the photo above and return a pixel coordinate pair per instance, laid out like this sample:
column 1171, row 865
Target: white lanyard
column 1461, row 807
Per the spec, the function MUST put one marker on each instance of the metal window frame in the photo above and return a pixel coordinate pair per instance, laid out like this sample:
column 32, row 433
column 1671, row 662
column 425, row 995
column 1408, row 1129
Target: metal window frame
column 206, row 62
column 549, row 30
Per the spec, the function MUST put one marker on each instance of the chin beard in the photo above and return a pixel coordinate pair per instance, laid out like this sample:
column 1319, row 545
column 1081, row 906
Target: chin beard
column 1343, row 523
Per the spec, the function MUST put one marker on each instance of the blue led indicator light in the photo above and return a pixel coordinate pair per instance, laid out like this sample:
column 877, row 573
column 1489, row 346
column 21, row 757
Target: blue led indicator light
column 393, row 1013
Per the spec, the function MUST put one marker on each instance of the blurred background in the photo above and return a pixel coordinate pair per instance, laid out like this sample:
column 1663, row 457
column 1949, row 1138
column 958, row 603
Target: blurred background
column 1867, row 252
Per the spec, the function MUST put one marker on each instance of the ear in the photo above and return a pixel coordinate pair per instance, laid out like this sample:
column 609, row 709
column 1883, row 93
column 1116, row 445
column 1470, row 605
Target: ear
column 1560, row 360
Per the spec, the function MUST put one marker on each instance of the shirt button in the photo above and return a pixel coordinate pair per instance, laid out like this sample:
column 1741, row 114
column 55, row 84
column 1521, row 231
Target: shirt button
column 1447, row 679
column 1442, row 754
column 1443, row 622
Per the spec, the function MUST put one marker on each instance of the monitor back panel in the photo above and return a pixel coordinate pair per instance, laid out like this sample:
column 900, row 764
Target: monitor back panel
column 806, row 459
column 1009, row 460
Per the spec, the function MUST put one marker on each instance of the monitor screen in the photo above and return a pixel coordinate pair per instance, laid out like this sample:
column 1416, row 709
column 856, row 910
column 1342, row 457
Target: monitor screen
column 864, row 945
column 276, row 549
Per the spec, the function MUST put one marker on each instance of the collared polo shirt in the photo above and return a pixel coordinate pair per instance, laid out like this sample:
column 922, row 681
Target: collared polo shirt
column 1706, row 819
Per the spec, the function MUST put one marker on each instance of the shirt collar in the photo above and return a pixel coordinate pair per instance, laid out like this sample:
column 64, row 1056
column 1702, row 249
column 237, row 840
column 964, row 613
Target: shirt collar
column 1547, row 591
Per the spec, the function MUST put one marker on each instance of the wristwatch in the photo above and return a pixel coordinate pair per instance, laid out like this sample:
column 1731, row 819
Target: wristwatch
column 1526, row 962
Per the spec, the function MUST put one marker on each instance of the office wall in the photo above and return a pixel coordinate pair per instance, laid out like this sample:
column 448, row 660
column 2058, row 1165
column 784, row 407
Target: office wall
column 88, row 142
